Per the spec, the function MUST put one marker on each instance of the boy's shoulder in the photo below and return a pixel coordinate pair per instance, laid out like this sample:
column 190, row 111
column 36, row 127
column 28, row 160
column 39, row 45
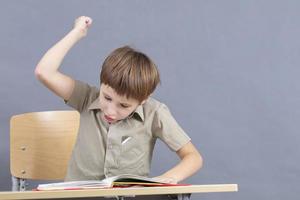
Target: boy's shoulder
column 152, row 106
column 152, row 103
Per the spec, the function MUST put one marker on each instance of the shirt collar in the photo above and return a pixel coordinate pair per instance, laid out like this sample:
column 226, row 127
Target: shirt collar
column 94, row 105
column 138, row 111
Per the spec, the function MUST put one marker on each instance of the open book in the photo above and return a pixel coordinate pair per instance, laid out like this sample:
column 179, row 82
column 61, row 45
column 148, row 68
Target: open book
column 124, row 180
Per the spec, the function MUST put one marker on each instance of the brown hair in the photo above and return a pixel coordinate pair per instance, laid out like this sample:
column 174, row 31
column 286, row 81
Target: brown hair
column 130, row 73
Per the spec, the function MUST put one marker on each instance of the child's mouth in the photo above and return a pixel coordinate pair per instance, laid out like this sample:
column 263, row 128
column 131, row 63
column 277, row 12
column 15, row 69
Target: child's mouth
column 108, row 119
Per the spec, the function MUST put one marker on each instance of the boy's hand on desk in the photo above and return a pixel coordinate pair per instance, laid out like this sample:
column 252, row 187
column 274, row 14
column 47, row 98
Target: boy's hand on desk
column 165, row 179
column 82, row 24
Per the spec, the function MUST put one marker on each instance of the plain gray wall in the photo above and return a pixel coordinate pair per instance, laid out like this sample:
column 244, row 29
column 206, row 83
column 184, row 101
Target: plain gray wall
column 230, row 75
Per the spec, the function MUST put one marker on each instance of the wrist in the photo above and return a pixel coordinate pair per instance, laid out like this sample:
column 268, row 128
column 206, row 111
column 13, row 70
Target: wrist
column 77, row 33
column 170, row 178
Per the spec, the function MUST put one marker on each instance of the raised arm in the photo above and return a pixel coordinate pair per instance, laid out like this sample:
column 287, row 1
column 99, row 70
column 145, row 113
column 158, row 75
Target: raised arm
column 47, row 69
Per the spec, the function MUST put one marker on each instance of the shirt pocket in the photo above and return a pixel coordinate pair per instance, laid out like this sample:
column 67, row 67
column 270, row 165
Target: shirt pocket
column 132, row 153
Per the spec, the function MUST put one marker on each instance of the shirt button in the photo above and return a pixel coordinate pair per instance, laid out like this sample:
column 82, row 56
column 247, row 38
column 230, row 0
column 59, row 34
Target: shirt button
column 110, row 146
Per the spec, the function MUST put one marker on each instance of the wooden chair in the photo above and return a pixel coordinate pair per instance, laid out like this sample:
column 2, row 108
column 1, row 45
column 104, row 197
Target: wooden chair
column 40, row 145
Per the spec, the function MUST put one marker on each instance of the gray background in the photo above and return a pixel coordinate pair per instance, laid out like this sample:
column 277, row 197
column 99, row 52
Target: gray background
column 230, row 75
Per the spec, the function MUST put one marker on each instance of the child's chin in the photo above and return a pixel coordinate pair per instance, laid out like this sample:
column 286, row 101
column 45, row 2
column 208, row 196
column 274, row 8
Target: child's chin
column 111, row 122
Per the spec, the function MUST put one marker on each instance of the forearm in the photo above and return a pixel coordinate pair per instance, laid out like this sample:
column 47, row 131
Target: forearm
column 47, row 69
column 51, row 61
column 190, row 164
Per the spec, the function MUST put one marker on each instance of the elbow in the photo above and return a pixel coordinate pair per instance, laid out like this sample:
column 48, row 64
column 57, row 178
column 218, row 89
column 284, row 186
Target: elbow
column 198, row 159
column 39, row 73
column 200, row 162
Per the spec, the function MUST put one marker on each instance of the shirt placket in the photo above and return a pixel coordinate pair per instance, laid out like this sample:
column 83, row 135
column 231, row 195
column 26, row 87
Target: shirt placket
column 112, row 151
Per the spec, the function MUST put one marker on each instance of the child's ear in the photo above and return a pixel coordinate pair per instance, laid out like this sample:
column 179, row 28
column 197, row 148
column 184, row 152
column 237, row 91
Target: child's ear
column 143, row 101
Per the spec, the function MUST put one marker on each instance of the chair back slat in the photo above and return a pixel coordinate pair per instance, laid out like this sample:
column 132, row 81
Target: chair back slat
column 41, row 144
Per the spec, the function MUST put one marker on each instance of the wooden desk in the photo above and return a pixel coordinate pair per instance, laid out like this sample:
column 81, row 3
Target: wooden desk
column 121, row 192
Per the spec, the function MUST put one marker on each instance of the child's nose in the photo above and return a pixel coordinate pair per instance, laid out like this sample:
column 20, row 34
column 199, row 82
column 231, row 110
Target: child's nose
column 111, row 111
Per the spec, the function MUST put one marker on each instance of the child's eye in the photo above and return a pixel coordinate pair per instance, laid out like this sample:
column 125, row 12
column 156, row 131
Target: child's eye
column 124, row 106
column 107, row 98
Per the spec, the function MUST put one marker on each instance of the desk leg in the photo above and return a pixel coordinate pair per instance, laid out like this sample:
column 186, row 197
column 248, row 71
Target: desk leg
column 156, row 197
column 118, row 197
column 184, row 196
column 180, row 197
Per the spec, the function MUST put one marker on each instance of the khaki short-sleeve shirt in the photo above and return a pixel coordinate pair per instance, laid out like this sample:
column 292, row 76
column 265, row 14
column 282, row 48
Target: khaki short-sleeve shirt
column 103, row 150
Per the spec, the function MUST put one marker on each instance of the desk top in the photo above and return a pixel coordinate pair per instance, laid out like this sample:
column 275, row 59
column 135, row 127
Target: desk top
column 119, row 192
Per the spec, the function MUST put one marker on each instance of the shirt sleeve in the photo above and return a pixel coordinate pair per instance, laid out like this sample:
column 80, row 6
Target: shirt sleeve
column 82, row 96
column 168, row 130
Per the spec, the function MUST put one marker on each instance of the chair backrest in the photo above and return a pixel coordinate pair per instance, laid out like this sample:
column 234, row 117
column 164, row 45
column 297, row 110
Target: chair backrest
column 41, row 144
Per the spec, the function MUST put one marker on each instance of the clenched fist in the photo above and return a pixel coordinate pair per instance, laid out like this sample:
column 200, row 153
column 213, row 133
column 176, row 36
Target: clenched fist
column 82, row 25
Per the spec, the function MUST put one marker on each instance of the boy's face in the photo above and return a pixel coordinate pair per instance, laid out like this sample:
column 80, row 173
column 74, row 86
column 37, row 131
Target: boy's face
column 115, row 107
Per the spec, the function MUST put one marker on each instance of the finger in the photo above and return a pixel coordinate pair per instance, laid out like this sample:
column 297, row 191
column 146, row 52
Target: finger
column 88, row 21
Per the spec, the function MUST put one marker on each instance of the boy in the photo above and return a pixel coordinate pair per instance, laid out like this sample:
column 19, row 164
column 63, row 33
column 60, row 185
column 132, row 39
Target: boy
column 119, row 123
